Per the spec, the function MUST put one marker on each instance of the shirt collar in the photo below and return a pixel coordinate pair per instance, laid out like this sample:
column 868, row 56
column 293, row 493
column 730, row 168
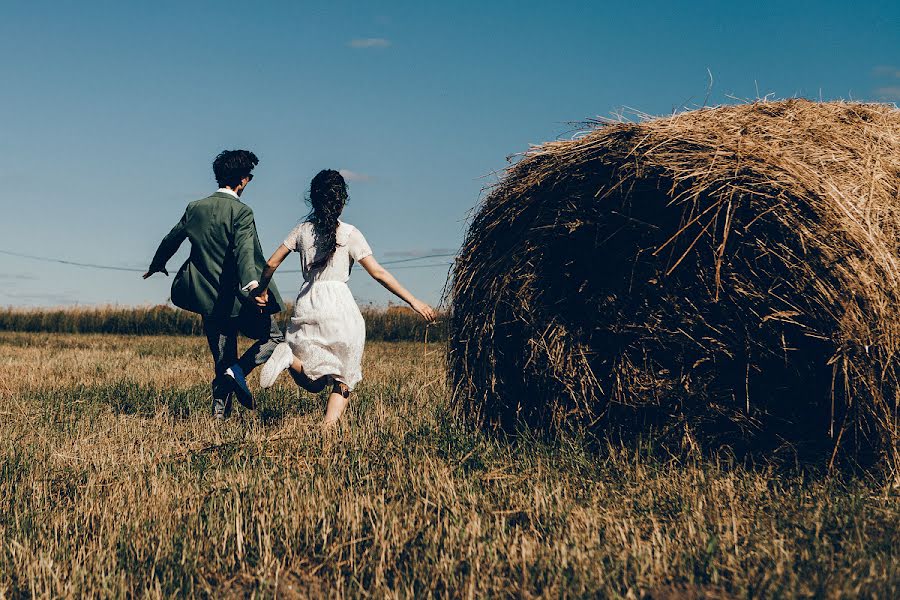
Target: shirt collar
column 223, row 190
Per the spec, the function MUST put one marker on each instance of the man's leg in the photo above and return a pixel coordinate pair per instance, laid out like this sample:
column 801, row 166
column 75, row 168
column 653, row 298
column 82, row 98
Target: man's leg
column 264, row 329
column 221, row 335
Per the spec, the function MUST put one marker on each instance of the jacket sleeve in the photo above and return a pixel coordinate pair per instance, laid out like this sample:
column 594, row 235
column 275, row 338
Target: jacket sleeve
column 245, row 244
column 169, row 245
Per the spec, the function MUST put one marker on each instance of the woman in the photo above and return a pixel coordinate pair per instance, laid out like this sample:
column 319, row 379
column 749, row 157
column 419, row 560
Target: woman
column 324, row 342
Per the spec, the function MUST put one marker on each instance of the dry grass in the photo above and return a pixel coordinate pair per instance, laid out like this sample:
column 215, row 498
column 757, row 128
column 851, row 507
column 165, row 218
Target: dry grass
column 392, row 324
column 115, row 482
column 730, row 275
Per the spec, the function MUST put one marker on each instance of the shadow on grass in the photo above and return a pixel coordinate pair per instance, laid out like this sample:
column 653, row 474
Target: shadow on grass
column 64, row 406
column 124, row 397
column 276, row 404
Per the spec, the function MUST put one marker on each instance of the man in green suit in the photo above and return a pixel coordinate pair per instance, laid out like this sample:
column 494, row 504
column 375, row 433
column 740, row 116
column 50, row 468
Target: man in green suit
column 224, row 266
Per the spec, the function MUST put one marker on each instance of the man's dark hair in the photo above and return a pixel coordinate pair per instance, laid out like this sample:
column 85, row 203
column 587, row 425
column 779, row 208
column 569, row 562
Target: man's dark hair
column 231, row 166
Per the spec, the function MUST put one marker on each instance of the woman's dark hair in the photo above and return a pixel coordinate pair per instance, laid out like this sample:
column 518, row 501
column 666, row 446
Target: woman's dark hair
column 231, row 166
column 327, row 197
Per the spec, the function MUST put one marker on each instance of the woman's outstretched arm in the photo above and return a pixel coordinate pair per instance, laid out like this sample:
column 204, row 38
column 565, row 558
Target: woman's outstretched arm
column 382, row 276
column 262, row 292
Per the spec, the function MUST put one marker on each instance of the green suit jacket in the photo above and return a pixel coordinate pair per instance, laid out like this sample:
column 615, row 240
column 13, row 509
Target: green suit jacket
column 225, row 256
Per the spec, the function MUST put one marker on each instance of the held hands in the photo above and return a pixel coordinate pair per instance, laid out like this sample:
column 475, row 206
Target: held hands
column 423, row 309
column 258, row 293
column 149, row 273
column 261, row 298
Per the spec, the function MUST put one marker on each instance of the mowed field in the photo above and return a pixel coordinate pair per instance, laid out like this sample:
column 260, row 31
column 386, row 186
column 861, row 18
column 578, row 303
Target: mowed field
column 114, row 481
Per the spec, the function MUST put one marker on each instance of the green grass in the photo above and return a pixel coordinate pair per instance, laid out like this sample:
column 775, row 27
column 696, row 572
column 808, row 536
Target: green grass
column 115, row 482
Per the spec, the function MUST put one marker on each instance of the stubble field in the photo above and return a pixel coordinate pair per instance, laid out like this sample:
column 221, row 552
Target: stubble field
column 115, row 482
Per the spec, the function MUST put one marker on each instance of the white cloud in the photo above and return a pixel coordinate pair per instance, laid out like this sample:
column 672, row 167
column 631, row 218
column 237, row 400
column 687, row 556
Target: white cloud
column 354, row 176
column 888, row 92
column 369, row 43
column 886, row 71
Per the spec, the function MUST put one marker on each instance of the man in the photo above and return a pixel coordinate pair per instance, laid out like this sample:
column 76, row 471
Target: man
column 225, row 264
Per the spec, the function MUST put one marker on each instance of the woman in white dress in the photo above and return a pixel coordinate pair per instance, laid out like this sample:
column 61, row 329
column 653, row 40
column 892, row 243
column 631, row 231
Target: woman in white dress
column 325, row 339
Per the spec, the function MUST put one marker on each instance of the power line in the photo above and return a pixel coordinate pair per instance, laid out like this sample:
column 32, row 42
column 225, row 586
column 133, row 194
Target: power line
column 446, row 264
column 73, row 263
column 403, row 260
column 443, row 264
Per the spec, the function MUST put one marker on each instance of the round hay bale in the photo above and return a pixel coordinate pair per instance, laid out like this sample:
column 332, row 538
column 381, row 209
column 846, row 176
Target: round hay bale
column 729, row 275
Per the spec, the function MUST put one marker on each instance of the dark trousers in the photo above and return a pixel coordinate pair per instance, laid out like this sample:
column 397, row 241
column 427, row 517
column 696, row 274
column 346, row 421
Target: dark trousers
column 222, row 334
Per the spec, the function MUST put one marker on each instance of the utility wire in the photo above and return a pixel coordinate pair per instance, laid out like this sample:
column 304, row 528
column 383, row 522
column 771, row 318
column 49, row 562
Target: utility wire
column 134, row 270
column 71, row 262
column 443, row 264
column 403, row 260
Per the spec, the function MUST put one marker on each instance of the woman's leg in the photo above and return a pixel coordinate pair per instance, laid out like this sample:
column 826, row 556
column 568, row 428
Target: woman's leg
column 281, row 359
column 314, row 386
column 337, row 403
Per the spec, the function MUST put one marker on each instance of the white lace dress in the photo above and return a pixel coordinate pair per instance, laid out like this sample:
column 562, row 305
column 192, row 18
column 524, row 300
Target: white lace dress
column 327, row 332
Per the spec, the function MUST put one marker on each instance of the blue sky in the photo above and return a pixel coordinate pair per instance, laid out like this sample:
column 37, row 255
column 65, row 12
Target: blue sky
column 111, row 112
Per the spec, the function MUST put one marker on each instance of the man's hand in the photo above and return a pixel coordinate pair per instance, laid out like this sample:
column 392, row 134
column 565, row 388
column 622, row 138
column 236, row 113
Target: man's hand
column 261, row 299
column 149, row 273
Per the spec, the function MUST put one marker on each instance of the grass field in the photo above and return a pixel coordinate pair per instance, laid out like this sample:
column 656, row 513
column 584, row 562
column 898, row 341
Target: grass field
column 115, row 482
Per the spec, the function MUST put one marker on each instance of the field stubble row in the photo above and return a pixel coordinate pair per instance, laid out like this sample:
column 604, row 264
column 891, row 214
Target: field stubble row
column 391, row 324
